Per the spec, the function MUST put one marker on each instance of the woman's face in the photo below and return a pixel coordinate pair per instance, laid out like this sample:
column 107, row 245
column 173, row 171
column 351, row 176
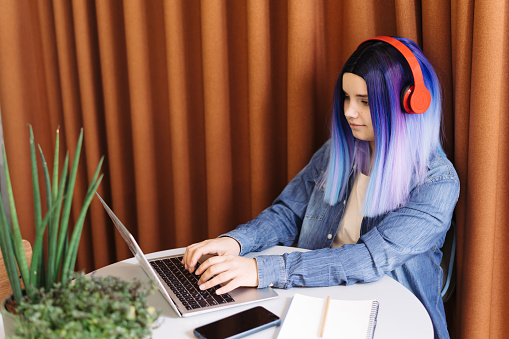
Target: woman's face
column 356, row 108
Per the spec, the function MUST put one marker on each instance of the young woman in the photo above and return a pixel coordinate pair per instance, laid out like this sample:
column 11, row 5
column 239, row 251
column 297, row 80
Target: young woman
column 377, row 199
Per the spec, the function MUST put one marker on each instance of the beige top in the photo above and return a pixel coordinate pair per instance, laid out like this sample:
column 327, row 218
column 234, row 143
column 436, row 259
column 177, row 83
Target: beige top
column 350, row 225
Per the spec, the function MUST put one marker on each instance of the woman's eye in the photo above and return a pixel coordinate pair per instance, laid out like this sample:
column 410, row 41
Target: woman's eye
column 365, row 103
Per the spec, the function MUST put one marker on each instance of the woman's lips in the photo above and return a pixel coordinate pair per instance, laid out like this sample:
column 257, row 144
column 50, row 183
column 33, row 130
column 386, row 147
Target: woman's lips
column 355, row 126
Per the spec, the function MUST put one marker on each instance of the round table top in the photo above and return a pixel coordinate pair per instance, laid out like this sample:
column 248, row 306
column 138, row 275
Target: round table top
column 401, row 314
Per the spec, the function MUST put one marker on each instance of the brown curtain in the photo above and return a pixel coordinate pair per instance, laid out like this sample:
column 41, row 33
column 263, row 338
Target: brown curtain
column 204, row 110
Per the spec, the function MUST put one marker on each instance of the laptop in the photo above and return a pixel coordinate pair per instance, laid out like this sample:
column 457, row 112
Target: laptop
column 179, row 287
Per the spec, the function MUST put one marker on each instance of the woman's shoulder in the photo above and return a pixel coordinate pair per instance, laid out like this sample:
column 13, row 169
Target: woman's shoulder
column 441, row 168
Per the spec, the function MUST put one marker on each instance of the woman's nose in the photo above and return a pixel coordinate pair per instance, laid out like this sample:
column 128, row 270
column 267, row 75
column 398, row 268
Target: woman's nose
column 351, row 112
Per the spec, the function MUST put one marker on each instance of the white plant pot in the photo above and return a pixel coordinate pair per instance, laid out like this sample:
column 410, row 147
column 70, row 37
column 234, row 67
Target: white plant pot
column 8, row 318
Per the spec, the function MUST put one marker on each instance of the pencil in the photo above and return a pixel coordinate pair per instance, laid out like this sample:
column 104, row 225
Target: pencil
column 325, row 316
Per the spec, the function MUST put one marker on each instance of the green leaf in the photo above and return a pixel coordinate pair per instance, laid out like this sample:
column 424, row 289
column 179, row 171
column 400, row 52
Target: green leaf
column 55, row 165
column 57, row 256
column 52, row 273
column 70, row 260
column 13, row 235
column 35, row 181
column 49, row 197
column 64, row 225
column 8, row 254
column 38, row 247
column 47, row 182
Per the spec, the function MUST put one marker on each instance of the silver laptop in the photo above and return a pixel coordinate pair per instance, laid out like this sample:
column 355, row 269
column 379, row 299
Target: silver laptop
column 179, row 287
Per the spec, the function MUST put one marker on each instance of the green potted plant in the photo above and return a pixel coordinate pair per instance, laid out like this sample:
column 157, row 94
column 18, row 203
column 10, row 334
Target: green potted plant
column 50, row 275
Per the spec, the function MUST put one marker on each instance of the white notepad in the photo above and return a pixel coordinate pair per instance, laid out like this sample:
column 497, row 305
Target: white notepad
column 345, row 318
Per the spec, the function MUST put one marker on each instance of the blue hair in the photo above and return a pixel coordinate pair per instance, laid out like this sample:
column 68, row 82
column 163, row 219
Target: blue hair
column 403, row 142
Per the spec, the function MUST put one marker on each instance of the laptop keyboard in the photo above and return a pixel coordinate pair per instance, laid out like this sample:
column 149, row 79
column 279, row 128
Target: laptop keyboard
column 185, row 285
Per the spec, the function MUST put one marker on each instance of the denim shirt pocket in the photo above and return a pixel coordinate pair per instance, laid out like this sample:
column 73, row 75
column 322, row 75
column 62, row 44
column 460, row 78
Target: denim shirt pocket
column 317, row 208
column 312, row 232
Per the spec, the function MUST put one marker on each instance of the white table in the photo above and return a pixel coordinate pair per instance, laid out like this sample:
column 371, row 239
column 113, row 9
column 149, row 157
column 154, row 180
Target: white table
column 401, row 314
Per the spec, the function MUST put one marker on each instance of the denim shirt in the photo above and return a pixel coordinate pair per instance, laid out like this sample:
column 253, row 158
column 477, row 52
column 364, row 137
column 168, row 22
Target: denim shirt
column 403, row 244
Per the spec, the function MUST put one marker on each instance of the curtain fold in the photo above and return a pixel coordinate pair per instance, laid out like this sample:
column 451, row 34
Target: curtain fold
column 263, row 126
column 217, row 113
column 186, row 119
column 204, row 110
column 117, row 137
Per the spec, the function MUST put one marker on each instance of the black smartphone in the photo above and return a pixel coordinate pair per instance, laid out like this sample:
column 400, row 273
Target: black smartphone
column 238, row 325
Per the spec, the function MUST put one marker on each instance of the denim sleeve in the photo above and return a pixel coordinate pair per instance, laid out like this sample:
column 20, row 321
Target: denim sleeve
column 280, row 223
column 402, row 234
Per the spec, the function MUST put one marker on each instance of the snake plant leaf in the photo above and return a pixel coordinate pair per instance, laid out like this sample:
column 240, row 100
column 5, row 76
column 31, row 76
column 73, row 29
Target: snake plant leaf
column 13, row 233
column 8, row 254
column 47, row 183
column 73, row 245
column 64, row 224
column 35, row 181
column 38, row 247
column 55, row 165
column 54, row 256
column 38, row 275
column 70, row 260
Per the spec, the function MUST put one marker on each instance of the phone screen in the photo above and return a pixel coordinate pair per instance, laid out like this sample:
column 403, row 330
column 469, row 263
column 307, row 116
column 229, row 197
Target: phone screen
column 238, row 325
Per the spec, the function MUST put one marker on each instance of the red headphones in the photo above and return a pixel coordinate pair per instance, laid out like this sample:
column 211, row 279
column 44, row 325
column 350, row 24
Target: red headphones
column 415, row 98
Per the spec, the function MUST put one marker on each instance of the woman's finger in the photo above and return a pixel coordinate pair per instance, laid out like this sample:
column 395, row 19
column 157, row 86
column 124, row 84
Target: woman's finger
column 233, row 284
column 216, row 280
column 233, row 271
column 196, row 251
column 212, row 267
column 219, row 246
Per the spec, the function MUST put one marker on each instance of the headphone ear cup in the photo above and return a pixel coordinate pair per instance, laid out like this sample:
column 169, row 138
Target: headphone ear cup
column 406, row 94
column 420, row 100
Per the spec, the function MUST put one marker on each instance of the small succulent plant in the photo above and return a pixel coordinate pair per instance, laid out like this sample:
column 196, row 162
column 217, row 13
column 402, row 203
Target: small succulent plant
column 88, row 307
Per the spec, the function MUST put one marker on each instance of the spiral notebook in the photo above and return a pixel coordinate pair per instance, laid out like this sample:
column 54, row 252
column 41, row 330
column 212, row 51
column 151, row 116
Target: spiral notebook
column 344, row 318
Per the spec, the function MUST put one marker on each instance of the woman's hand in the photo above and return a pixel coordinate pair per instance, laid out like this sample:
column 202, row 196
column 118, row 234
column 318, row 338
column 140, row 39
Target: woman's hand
column 231, row 270
column 224, row 268
column 219, row 246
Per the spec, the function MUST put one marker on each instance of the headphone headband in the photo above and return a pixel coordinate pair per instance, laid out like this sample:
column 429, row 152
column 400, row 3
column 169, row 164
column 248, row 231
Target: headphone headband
column 415, row 98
